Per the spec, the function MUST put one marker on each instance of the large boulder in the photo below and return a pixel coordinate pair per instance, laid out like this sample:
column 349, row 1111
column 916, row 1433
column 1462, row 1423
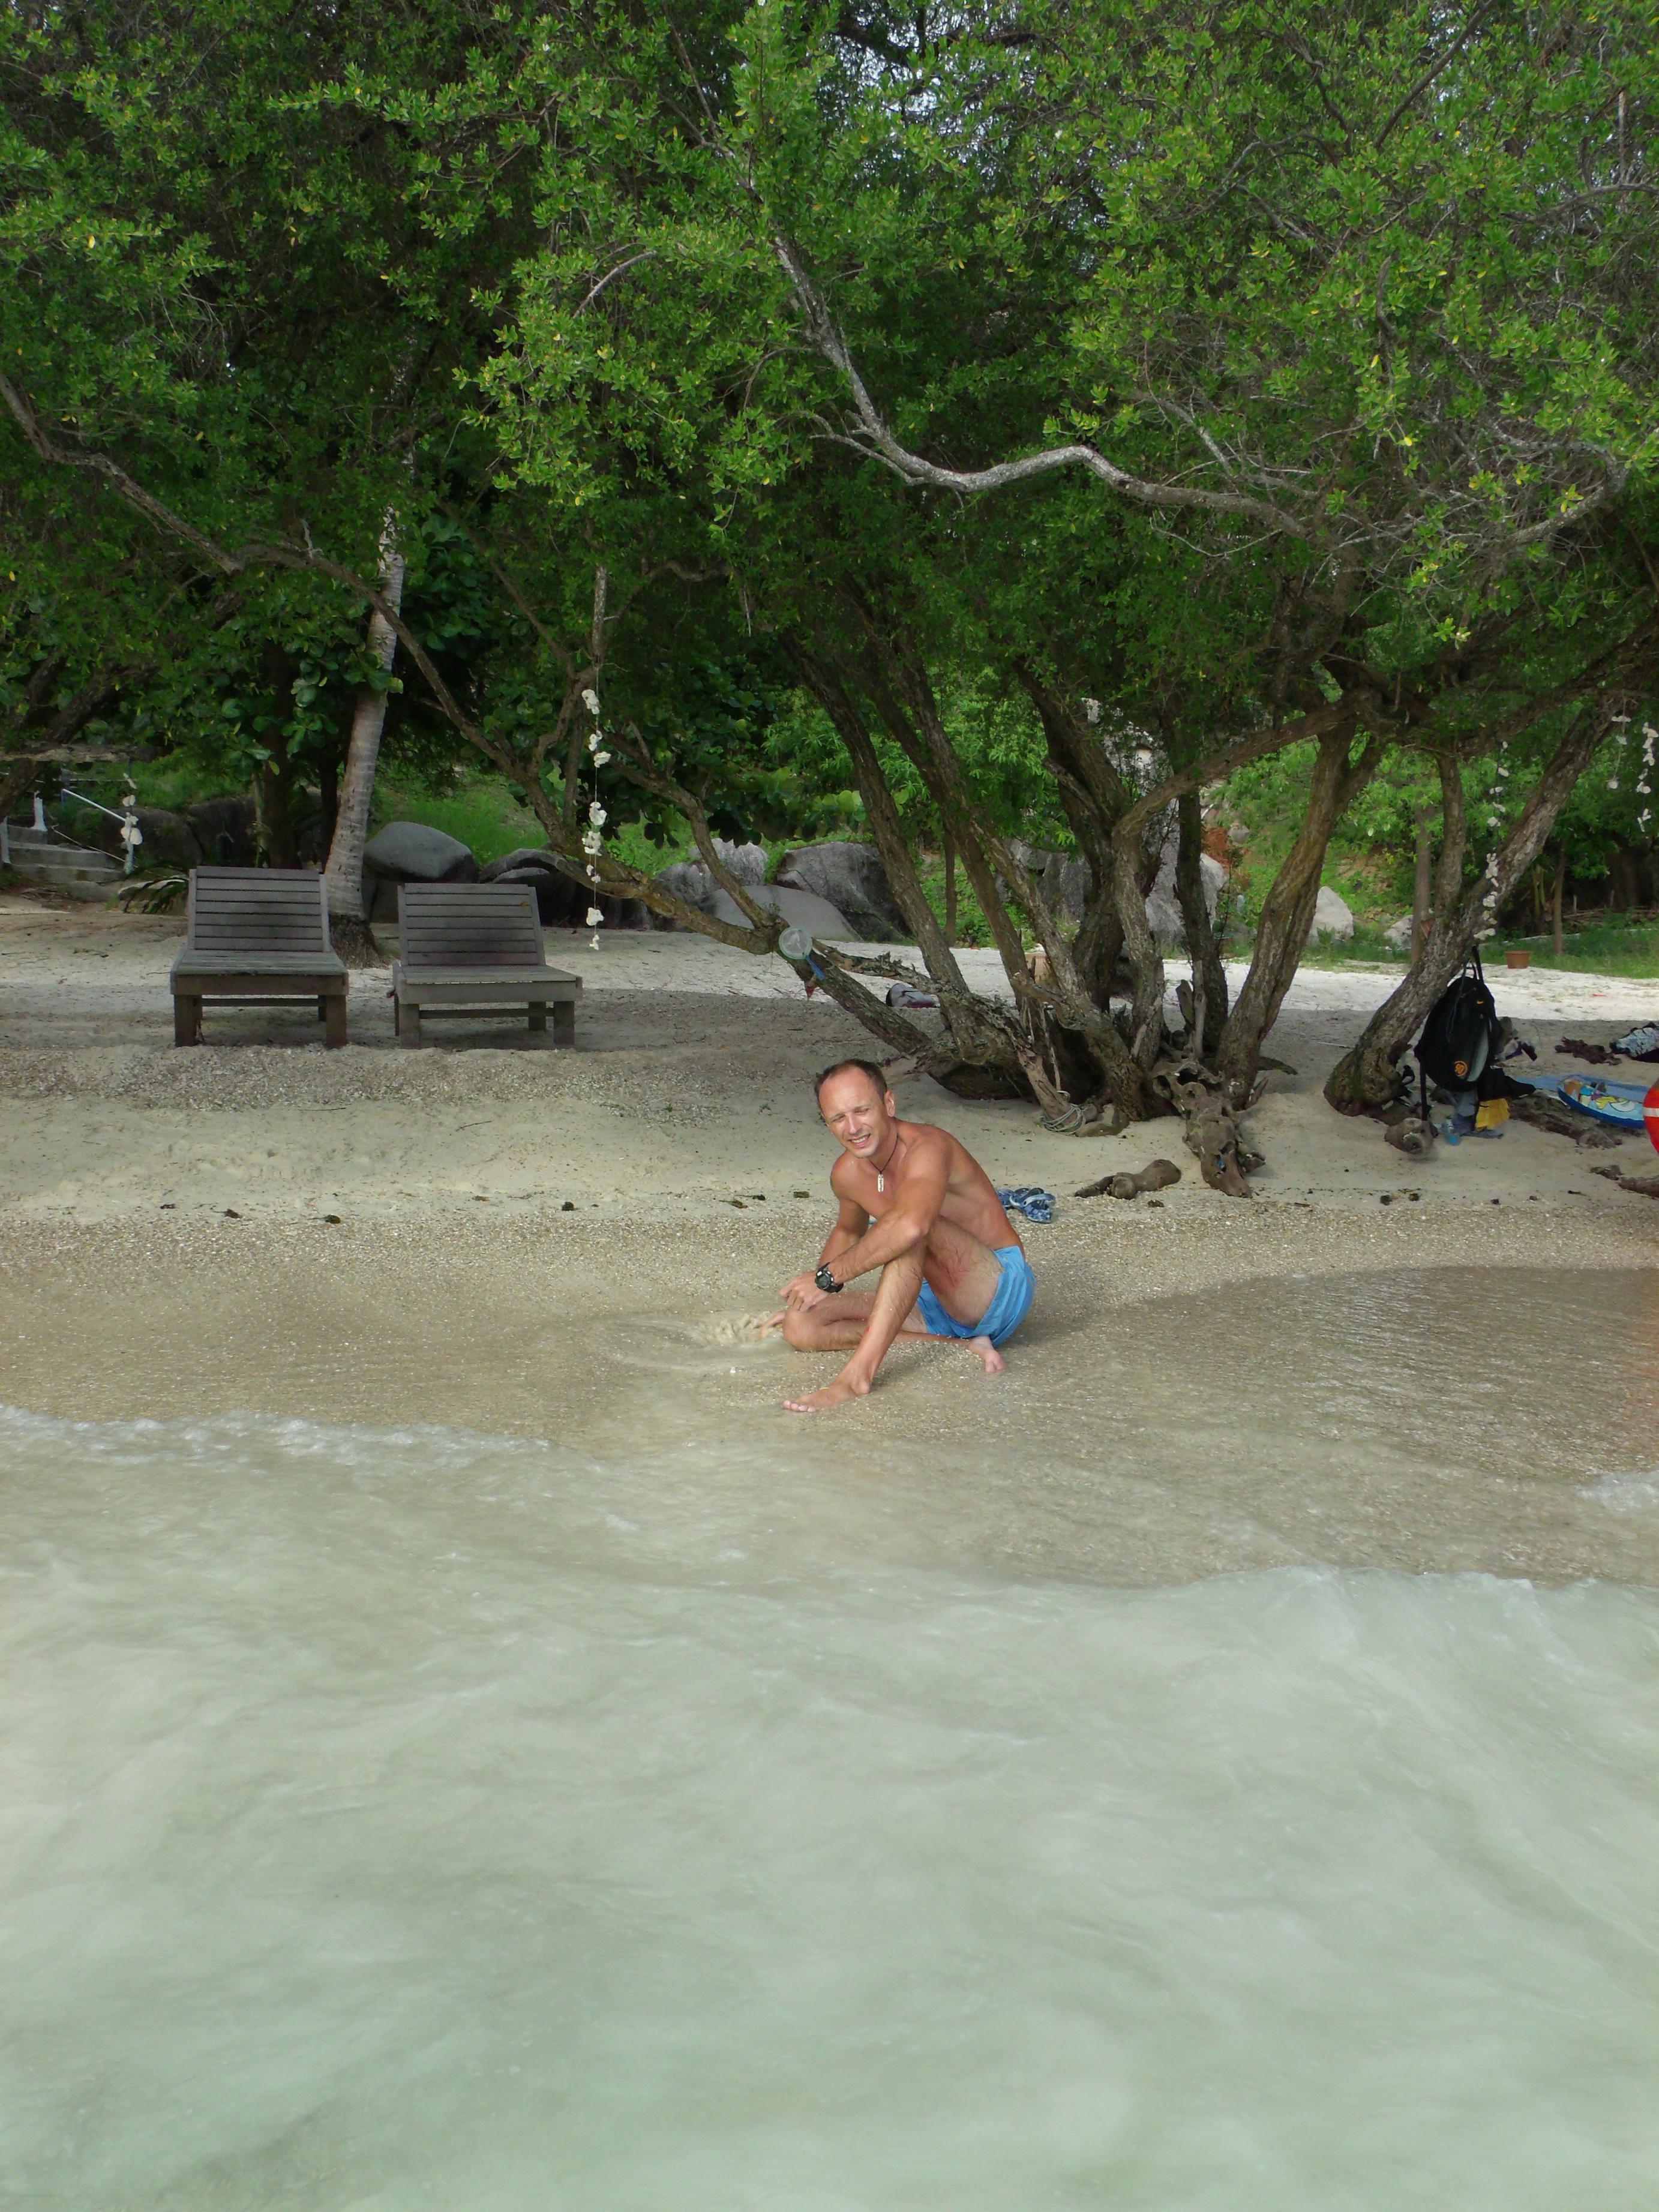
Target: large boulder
column 169, row 839
column 227, row 829
column 535, row 857
column 564, row 904
column 1061, row 878
column 688, row 880
column 1164, row 908
column 1333, row 916
column 747, row 862
column 853, row 880
column 412, row 853
column 801, row 909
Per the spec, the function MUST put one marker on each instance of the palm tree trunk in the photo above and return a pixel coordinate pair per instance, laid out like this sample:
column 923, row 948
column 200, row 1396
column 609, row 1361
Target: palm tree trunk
column 347, row 913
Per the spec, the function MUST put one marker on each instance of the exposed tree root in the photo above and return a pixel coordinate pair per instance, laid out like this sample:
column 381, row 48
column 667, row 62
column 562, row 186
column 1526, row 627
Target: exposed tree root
column 1412, row 1135
column 1544, row 1112
column 1644, row 1186
column 1225, row 1160
column 354, row 941
column 1157, row 1175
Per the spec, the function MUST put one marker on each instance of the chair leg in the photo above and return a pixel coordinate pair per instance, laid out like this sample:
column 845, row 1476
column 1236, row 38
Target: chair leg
column 408, row 1026
column 186, row 1020
column 539, row 1013
column 322, row 1010
column 564, row 1022
column 335, row 1034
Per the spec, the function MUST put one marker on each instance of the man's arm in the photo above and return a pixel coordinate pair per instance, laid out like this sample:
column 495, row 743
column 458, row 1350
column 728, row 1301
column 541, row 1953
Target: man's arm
column 921, row 1194
column 851, row 1222
column 801, row 1291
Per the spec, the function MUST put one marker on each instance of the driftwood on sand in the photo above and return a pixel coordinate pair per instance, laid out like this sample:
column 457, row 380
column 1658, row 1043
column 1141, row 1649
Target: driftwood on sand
column 1644, row 1186
column 1543, row 1112
column 1157, row 1175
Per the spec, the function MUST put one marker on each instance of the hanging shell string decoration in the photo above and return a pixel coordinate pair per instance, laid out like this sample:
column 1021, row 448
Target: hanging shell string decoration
column 593, row 835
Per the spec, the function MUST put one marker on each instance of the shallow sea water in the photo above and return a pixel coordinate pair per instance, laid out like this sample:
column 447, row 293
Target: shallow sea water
column 410, row 1817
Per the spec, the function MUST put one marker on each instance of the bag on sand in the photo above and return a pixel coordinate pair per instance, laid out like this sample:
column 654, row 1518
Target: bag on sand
column 1460, row 1040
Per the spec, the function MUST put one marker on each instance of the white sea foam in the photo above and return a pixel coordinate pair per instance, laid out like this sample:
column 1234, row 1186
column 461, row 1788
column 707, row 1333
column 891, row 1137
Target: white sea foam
column 410, row 1819
column 1625, row 1493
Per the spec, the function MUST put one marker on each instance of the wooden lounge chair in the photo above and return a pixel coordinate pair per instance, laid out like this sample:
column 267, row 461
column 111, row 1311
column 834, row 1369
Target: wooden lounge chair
column 257, row 937
column 468, row 948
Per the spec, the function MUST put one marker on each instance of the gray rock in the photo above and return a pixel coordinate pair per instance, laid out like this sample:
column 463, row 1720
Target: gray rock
column 226, row 830
column 1332, row 915
column 563, row 904
column 169, row 839
column 747, row 862
column 853, row 880
column 688, row 880
column 559, row 902
column 804, row 909
column 1164, row 908
column 1398, row 934
column 410, row 852
column 534, row 857
column 1062, row 879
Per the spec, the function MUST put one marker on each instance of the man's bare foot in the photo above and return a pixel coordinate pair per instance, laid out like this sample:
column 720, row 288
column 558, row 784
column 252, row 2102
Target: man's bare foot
column 838, row 1392
column 987, row 1354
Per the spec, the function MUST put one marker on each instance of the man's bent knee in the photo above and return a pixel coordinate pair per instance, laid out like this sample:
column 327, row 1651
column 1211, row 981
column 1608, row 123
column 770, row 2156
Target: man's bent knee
column 798, row 1331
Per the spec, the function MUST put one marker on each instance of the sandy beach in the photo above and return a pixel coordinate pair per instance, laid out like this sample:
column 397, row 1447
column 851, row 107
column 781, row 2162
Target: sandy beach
column 470, row 1741
column 494, row 1235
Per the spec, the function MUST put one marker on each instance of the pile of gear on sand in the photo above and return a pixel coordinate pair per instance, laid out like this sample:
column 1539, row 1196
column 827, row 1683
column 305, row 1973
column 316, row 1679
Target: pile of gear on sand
column 1466, row 1087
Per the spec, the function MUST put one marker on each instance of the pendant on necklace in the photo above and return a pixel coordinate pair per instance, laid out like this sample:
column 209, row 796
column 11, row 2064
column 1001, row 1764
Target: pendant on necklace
column 881, row 1182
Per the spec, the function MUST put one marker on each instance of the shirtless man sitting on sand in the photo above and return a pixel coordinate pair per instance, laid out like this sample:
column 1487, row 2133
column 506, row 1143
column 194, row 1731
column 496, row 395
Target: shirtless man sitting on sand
column 918, row 1207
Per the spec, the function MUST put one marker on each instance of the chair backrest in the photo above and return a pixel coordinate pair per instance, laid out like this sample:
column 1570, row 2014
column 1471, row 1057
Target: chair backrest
column 469, row 925
column 235, row 910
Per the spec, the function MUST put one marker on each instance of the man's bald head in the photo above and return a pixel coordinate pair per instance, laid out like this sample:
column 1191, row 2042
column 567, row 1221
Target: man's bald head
column 876, row 1076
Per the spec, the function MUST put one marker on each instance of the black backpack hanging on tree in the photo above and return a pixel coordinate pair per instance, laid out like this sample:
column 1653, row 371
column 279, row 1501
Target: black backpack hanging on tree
column 1460, row 1042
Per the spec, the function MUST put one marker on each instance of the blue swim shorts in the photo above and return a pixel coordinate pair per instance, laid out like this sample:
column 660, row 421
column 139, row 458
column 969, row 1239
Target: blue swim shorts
column 1008, row 1305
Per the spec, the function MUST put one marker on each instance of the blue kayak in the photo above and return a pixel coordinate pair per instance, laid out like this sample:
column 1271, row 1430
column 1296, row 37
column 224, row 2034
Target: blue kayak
column 1620, row 1103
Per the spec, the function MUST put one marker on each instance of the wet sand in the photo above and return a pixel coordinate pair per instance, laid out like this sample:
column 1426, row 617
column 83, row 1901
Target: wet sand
column 580, row 1245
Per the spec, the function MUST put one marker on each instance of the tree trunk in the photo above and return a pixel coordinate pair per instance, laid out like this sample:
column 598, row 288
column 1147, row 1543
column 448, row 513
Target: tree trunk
column 1288, row 912
column 16, row 777
column 1093, row 795
column 1060, row 1012
column 1555, row 904
column 1139, row 949
column 1367, row 1075
column 347, row 916
column 950, row 890
column 1209, row 976
column 1420, row 893
column 976, row 1043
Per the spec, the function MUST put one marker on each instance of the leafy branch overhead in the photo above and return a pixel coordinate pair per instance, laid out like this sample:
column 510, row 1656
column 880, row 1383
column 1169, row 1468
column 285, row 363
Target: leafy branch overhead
column 1012, row 422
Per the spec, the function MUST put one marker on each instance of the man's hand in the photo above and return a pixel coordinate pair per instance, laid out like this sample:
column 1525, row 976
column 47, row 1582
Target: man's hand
column 799, row 1295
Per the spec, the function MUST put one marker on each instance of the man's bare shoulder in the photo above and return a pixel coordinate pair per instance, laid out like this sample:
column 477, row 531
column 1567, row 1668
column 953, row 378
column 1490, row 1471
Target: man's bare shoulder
column 926, row 1133
column 926, row 1140
column 843, row 1178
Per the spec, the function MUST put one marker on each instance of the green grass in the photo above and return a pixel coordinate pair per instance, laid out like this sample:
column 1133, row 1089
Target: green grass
column 483, row 812
column 1604, row 948
column 1366, row 948
column 1601, row 948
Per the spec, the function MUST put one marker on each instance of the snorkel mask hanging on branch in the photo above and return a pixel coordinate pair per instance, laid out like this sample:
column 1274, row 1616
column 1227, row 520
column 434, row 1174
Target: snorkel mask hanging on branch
column 796, row 947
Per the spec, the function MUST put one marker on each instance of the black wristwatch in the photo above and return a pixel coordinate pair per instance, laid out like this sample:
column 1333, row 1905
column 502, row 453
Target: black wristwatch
column 825, row 1280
